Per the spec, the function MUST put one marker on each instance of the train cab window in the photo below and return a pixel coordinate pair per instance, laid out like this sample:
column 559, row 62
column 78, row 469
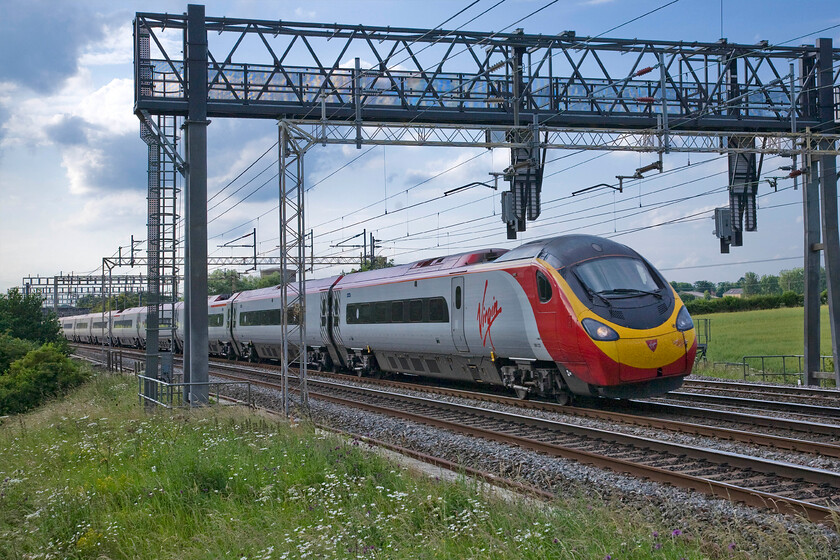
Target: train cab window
column 415, row 310
column 543, row 287
column 398, row 312
column 616, row 274
column 457, row 297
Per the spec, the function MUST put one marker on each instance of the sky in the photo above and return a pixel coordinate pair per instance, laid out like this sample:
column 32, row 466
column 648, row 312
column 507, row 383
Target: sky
column 73, row 166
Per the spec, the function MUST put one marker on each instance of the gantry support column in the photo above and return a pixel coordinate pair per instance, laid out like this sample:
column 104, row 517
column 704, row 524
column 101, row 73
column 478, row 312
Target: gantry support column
column 811, row 224
column 195, row 306
column 292, row 257
column 828, row 196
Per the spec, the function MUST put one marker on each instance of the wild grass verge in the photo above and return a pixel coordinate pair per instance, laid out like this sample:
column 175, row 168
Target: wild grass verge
column 94, row 476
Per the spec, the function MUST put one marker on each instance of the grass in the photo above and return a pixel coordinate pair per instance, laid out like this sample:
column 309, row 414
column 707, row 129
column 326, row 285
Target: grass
column 755, row 333
column 94, row 476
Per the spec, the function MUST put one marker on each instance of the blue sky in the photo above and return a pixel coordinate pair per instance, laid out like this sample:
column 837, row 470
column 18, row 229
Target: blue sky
column 73, row 167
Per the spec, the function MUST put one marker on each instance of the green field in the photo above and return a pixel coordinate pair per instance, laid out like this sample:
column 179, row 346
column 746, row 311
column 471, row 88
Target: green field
column 766, row 332
column 94, row 476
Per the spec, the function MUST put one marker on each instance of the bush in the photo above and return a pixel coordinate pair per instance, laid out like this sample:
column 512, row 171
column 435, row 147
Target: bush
column 12, row 349
column 728, row 304
column 41, row 374
column 792, row 299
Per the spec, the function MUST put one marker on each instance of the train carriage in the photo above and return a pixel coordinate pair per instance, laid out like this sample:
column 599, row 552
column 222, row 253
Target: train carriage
column 570, row 315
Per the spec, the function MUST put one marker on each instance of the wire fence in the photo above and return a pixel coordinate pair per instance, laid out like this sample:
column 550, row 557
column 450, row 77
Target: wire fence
column 771, row 367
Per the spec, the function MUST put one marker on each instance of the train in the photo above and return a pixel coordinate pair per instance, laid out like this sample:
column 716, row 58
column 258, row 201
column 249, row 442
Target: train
column 574, row 315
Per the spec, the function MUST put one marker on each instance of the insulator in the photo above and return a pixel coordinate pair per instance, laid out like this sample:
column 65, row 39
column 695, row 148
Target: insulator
column 646, row 99
column 643, row 71
column 795, row 173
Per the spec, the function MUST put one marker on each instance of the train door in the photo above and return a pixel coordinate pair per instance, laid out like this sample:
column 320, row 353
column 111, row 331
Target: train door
column 457, row 321
column 231, row 322
column 326, row 306
column 336, row 345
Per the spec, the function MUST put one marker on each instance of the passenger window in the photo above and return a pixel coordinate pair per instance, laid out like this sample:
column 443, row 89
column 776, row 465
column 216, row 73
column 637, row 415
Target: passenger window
column 543, row 287
column 457, row 297
column 415, row 310
column 397, row 315
column 365, row 314
column 381, row 312
column 437, row 310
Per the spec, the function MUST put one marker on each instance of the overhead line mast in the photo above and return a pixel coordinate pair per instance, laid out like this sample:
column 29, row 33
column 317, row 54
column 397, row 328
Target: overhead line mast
column 527, row 93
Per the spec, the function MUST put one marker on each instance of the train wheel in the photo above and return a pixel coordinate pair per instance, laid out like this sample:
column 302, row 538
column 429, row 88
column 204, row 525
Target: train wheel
column 562, row 398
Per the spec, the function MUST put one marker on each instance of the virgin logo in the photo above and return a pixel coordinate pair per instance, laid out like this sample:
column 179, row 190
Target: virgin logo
column 652, row 344
column 486, row 317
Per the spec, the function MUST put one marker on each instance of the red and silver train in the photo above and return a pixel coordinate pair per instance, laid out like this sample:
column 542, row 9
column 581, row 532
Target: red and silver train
column 570, row 315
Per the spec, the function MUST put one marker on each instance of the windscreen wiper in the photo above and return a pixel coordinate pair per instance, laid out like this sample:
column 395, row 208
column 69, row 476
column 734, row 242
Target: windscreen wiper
column 592, row 294
column 631, row 291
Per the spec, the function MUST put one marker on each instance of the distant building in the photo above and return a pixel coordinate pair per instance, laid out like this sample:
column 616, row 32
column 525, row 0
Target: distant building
column 734, row 292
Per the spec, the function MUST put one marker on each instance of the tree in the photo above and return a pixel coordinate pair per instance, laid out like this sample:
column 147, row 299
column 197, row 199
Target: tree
column 750, row 284
column 21, row 317
column 682, row 286
column 792, row 280
column 723, row 286
column 769, row 284
column 379, row 262
column 703, row 285
column 225, row 281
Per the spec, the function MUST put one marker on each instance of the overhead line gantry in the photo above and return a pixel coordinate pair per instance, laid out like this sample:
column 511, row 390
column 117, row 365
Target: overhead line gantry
column 523, row 92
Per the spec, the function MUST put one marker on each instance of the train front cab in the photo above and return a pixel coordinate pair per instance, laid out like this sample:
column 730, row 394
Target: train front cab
column 626, row 333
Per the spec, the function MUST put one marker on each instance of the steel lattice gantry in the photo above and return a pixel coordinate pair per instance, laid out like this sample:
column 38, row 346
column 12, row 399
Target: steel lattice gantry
column 67, row 289
column 524, row 92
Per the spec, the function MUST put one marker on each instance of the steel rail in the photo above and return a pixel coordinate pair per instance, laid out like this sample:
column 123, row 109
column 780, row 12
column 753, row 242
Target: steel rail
column 752, row 497
column 758, row 387
column 768, row 440
column 779, row 406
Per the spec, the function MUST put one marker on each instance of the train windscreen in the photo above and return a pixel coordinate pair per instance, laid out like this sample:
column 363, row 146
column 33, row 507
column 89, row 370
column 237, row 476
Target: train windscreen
column 616, row 275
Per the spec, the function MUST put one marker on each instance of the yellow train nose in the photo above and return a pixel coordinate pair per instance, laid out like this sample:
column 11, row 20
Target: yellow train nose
column 648, row 357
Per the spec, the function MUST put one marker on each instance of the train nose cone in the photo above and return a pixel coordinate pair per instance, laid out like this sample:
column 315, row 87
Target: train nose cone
column 650, row 357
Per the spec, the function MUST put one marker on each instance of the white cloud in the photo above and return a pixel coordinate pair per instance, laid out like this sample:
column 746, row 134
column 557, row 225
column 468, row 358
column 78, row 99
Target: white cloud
column 115, row 48
column 301, row 13
column 107, row 109
column 111, row 107
column 123, row 210
column 79, row 161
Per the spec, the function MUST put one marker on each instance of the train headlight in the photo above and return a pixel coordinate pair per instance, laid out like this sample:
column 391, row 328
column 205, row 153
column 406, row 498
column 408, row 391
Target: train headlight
column 599, row 331
column 684, row 322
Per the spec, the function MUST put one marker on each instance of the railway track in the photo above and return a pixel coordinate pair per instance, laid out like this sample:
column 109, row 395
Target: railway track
column 754, row 404
column 779, row 485
column 805, row 436
column 789, row 391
